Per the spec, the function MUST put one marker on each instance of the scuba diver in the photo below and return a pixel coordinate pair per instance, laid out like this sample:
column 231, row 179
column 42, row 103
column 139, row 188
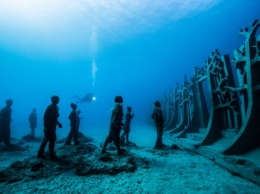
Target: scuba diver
column 87, row 98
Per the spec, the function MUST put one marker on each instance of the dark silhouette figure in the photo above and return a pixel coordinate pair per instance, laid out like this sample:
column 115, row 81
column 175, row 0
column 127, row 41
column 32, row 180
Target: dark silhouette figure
column 159, row 123
column 128, row 118
column 78, row 119
column 74, row 126
column 50, row 122
column 115, row 126
column 33, row 121
column 87, row 98
column 5, row 122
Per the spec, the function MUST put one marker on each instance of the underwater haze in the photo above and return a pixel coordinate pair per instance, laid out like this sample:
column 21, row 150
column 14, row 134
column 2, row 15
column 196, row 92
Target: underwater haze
column 134, row 48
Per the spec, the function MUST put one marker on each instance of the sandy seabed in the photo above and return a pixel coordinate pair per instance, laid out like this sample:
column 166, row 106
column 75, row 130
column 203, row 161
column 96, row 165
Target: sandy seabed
column 170, row 171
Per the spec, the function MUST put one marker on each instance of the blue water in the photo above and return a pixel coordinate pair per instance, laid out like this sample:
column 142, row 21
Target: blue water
column 137, row 49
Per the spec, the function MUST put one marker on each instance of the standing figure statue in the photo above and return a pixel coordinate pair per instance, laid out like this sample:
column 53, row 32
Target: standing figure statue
column 50, row 118
column 33, row 121
column 78, row 119
column 74, row 126
column 115, row 126
column 159, row 123
column 5, row 123
column 128, row 118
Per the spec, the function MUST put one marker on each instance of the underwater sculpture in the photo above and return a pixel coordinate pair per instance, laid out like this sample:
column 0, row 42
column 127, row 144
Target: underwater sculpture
column 159, row 124
column 33, row 121
column 89, row 97
column 171, row 106
column 183, row 106
column 5, row 122
column 168, row 108
column 225, row 120
column 128, row 117
column 51, row 116
column 33, row 124
column 74, row 125
column 115, row 126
